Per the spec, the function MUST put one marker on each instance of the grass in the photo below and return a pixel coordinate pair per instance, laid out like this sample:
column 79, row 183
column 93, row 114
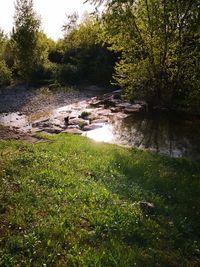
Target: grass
column 73, row 202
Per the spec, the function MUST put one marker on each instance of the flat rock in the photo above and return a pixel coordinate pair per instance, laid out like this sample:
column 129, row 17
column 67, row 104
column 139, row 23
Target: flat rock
column 73, row 131
column 101, row 120
column 121, row 115
column 133, row 108
column 42, row 123
column 104, row 112
column 77, row 121
column 124, row 105
column 92, row 127
column 52, row 130
column 115, row 110
column 95, row 103
column 73, row 127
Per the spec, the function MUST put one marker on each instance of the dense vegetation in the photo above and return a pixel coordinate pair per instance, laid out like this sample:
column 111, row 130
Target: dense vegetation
column 30, row 56
column 68, row 201
column 159, row 41
column 154, row 46
column 60, row 206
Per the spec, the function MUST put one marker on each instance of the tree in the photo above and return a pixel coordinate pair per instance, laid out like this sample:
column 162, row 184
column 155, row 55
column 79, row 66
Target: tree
column 80, row 57
column 5, row 72
column 25, row 36
column 159, row 41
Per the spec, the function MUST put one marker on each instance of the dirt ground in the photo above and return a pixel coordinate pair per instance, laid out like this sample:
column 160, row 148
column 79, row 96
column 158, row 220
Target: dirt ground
column 29, row 100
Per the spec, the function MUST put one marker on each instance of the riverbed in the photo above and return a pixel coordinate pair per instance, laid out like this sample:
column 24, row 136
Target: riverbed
column 107, row 119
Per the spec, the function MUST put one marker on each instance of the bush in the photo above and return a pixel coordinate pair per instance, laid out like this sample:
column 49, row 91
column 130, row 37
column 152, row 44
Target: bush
column 5, row 74
column 67, row 73
column 85, row 114
column 45, row 72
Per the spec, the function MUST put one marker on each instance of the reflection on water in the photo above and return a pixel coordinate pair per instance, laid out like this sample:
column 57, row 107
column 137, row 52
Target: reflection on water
column 104, row 134
column 163, row 133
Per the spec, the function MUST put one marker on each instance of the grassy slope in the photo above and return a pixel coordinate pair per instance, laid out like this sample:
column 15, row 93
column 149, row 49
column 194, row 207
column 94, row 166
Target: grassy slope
column 74, row 202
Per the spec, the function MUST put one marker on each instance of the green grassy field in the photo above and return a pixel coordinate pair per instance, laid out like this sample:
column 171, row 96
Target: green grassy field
column 73, row 202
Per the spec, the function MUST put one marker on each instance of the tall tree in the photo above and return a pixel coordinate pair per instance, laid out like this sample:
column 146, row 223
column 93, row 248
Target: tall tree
column 159, row 41
column 25, row 36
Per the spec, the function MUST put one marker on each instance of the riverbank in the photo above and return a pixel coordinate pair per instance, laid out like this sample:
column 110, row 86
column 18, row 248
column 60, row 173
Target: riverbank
column 75, row 202
column 28, row 100
column 105, row 117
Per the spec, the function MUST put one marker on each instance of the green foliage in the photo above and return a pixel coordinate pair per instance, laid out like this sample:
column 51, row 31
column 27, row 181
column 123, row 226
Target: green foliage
column 84, row 58
column 6, row 59
column 5, row 74
column 159, row 45
column 85, row 114
column 81, row 124
column 25, row 37
column 73, row 202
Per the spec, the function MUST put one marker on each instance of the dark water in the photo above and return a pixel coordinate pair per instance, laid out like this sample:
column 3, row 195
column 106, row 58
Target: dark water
column 164, row 133
column 168, row 134
column 173, row 135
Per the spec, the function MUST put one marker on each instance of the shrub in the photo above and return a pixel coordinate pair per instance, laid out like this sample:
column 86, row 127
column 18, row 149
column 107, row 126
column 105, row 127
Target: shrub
column 82, row 124
column 67, row 73
column 45, row 72
column 85, row 114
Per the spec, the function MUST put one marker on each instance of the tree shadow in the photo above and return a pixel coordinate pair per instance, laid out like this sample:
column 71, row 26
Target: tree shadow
column 171, row 184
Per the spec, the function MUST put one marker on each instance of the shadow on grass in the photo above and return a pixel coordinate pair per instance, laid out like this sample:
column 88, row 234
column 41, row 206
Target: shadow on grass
column 173, row 185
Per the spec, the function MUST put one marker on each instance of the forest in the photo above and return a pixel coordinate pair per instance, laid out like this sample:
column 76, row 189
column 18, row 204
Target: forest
column 100, row 137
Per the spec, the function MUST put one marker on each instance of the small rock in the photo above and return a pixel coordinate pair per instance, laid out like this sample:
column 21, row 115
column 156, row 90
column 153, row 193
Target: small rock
column 147, row 207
